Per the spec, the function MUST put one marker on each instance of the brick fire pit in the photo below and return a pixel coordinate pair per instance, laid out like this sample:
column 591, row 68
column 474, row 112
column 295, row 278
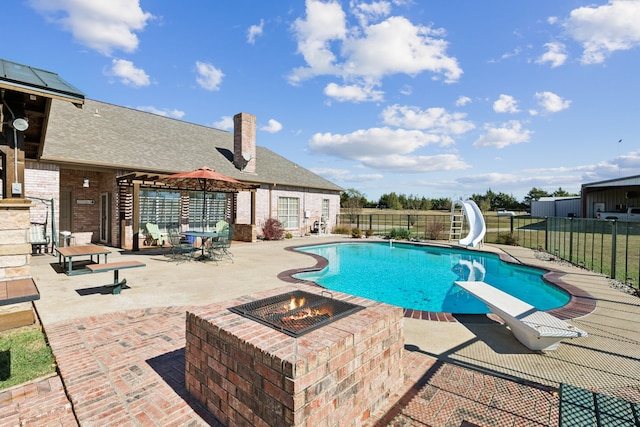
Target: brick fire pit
column 247, row 373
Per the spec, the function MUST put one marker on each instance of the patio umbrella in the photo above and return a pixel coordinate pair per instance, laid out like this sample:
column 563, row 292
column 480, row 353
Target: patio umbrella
column 206, row 180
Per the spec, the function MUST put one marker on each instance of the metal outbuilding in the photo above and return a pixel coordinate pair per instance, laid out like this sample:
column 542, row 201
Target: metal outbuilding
column 610, row 195
column 556, row 207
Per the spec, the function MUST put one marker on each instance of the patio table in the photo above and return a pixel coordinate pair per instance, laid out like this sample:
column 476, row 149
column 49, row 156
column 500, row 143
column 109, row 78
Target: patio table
column 67, row 254
column 204, row 236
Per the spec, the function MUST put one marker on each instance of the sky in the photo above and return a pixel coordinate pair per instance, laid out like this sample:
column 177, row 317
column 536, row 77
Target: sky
column 435, row 99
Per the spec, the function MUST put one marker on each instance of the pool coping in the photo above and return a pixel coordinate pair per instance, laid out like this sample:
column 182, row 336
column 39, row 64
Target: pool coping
column 580, row 302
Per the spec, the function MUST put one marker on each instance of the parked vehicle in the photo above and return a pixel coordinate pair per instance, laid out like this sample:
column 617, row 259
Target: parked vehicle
column 630, row 215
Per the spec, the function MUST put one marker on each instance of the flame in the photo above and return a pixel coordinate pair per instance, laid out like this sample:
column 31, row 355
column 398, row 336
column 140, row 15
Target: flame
column 296, row 303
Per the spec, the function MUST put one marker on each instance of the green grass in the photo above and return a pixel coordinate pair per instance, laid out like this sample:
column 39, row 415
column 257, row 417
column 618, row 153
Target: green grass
column 24, row 356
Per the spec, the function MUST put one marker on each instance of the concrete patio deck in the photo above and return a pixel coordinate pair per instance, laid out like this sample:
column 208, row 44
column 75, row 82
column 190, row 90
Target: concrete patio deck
column 121, row 357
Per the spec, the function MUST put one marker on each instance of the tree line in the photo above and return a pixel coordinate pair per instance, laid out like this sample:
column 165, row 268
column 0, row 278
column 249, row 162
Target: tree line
column 353, row 199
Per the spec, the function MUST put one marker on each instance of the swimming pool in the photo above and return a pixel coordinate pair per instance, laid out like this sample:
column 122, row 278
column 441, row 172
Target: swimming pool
column 422, row 277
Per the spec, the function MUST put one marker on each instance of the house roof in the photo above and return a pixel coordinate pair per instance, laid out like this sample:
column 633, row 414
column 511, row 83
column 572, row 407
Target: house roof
column 24, row 78
column 26, row 93
column 109, row 136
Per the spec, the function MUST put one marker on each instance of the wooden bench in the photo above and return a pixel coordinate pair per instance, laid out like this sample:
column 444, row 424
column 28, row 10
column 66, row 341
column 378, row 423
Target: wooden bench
column 535, row 329
column 16, row 291
column 117, row 285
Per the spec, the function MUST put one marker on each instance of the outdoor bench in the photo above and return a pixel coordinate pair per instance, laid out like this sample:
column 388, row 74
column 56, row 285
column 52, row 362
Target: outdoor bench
column 117, row 285
column 16, row 291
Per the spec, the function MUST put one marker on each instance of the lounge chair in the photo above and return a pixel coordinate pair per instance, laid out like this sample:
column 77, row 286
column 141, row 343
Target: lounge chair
column 535, row 329
column 157, row 238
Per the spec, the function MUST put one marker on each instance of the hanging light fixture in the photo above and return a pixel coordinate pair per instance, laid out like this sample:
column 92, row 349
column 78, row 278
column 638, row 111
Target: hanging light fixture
column 20, row 124
column 85, row 182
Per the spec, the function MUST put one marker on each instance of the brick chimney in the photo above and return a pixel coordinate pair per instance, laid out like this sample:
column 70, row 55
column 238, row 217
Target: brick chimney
column 244, row 142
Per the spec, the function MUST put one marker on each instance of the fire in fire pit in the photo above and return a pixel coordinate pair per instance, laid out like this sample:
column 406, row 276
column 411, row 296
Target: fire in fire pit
column 296, row 313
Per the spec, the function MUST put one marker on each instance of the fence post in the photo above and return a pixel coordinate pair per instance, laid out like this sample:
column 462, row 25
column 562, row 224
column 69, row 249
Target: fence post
column 614, row 244
column 546, row 234
column 571, row 239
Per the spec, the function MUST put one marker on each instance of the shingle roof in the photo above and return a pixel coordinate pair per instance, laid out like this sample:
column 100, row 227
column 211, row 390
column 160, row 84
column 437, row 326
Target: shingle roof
column 111, row 136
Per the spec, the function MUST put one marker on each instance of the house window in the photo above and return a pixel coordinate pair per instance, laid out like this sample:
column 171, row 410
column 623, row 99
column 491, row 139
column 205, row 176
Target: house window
column 161, row 207
column 214, row 210
column 325, row 208
column 289, row 212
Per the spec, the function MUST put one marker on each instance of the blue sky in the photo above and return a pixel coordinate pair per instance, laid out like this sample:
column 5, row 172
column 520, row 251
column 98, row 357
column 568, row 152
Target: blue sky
column 425, row 98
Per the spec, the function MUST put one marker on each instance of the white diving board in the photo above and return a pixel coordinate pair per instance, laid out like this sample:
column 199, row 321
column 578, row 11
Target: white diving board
column 535, row 329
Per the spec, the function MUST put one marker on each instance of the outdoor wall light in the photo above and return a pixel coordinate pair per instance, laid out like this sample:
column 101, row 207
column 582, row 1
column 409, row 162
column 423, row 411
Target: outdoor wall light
column 20, row 124
column 85, row 182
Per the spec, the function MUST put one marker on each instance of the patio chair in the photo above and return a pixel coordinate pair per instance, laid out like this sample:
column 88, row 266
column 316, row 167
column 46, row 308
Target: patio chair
column 156, row 237
column 38, row 238
column 181, row 248
column 219, row 249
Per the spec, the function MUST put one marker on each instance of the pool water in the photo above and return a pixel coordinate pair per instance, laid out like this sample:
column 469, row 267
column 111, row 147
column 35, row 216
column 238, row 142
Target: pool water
column 422, row 277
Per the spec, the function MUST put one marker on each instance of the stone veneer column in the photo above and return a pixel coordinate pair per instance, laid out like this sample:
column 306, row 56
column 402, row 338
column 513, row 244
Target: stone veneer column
column 15, row 250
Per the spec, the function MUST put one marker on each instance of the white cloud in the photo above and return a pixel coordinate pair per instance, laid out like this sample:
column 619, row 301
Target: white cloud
column 353, row 92
column 436, row 120
column 387, row 150
column 225, row 123
column 509, row 133
column 274, row 126
column 209, row 77
column 254, row 31
column 129, row 74
column 551, row 102
column 505, row 104
column 462, row 101
column 416, row 164
column 367, row 52
column 370, row 143
column 555, row 55
column 365, row 12
column 103, row 26
column 176, row 114
column 346, row 175
column 603, row 30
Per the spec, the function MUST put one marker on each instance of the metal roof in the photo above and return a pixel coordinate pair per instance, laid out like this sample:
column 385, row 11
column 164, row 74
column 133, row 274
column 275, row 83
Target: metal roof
column 24, row 78
column 616, row 182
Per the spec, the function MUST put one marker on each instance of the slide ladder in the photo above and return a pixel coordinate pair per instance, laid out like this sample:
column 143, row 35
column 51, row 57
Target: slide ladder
column 456, row 222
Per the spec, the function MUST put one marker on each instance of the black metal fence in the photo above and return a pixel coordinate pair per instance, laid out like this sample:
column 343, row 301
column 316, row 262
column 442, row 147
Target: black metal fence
column 608, row 247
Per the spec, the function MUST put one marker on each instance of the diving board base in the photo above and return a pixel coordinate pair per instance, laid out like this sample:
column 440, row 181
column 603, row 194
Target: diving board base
column 536, row 330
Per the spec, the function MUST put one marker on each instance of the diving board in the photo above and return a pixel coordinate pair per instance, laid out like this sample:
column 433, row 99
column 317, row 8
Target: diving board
column 537, row 330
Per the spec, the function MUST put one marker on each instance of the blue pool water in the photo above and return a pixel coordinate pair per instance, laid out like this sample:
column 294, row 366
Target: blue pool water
column 422, row 277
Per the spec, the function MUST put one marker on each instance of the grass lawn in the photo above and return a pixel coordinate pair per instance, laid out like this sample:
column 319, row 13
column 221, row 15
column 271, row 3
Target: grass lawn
column 24, row 356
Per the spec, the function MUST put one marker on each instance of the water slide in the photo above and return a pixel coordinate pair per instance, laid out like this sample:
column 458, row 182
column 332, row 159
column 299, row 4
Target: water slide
column 477, row 227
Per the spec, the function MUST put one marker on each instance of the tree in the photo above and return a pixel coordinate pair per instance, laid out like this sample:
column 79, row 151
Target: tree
column 352, row 201
column 534, row 194
column 390, row 201
column 561, row 193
